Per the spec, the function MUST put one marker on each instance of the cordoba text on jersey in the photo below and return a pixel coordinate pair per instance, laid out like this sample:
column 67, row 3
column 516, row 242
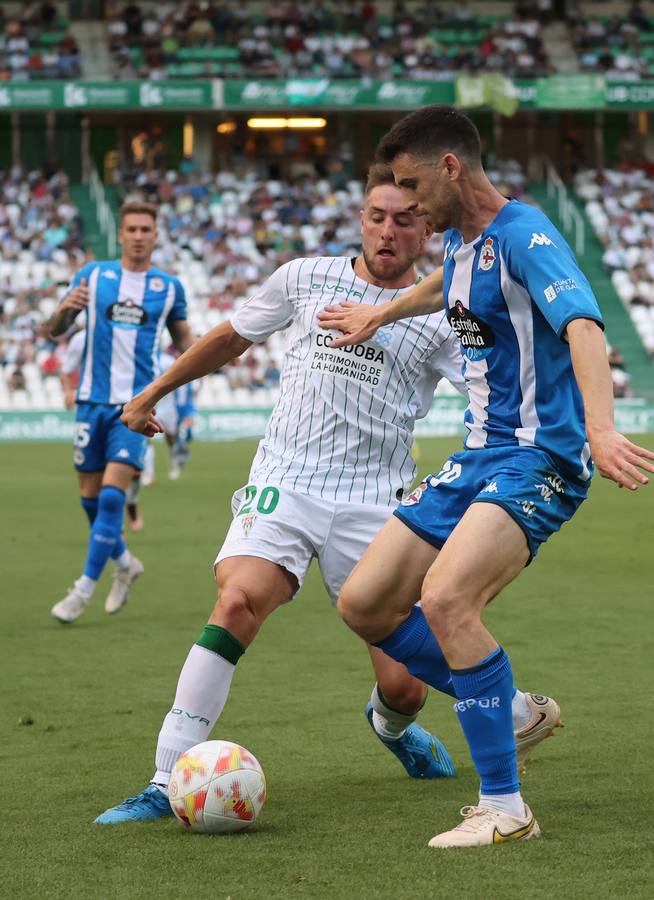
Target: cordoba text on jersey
column 373, row 354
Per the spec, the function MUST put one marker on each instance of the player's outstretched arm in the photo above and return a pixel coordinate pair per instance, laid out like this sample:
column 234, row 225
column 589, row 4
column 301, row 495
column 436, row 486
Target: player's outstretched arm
column 359, row 321
column 615, row 456
column 218, row 347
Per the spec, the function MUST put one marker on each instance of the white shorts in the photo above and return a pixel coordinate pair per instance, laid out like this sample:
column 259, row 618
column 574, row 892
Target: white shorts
column 291, row 529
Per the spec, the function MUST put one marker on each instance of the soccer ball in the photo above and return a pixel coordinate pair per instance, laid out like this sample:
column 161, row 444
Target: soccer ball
column 217, row 787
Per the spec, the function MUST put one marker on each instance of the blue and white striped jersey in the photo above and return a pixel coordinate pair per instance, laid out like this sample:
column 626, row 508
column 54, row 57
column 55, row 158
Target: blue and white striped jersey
column 125, row 318
column 509, row 295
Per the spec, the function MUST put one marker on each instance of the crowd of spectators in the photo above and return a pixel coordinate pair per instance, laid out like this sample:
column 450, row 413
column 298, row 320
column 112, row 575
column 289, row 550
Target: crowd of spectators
column 223, row 234
column 331, row 39
column 36, row 44
column 621, row 46
column 41, row 247
column 620, row 205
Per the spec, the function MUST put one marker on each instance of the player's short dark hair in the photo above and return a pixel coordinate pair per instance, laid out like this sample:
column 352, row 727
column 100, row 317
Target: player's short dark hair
column 430, row 132
column 378, row 175
column 138, row 206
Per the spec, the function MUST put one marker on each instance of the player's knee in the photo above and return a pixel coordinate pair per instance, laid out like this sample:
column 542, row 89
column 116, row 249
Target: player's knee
column 111, row 502
column 353, row 608
column 449, row 610
column 238, row 612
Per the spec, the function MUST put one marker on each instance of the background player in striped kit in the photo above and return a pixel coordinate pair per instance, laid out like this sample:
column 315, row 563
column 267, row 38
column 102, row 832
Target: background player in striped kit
column 541, row 400
column 127, row 304
column 328, row 473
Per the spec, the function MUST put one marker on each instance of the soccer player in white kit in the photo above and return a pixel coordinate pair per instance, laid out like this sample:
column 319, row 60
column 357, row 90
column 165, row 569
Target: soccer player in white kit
column 334, row 461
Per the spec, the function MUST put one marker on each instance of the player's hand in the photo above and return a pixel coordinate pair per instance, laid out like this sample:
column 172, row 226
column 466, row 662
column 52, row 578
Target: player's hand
column 618, row 459
column 357, row 321
column 77, row 299
column 69, row 399
column 139, row 415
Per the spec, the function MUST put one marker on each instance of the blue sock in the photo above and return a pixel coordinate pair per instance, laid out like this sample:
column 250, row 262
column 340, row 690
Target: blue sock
column 413, row 643
column 484, row 709
column 90, row 507
column 105, row 531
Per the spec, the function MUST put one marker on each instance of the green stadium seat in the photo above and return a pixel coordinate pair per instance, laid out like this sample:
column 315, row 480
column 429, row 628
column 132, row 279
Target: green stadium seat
column 50, row 38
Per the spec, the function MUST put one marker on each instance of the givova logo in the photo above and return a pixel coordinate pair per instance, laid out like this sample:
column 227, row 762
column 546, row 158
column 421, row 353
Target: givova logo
column 182, row 712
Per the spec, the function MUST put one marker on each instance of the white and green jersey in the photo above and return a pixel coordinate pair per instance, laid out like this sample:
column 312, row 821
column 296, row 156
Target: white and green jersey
column 342, row 428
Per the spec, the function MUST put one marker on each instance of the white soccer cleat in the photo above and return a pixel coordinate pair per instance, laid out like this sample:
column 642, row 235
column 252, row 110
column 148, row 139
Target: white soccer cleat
column 482, row 826
column 71, row 607
column 123, row 580
column 174, row 471
column 545, row 717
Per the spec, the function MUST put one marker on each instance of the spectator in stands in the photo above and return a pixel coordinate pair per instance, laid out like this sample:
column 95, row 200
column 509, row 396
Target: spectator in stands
column 17, row 380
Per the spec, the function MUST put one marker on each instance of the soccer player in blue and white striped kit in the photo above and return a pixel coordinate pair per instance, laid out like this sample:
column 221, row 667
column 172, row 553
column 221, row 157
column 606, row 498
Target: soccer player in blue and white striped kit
column 540, row 412
column 127, row 304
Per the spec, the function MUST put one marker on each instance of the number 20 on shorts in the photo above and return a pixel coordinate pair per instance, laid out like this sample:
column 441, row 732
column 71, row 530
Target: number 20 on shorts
column 266, row 502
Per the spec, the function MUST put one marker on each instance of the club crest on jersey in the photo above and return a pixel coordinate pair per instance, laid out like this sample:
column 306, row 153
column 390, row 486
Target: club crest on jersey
column 156, row 284
column 415, row 495
column 476, row 337
column 247, row 522
column 126, row 314
column 487, row 256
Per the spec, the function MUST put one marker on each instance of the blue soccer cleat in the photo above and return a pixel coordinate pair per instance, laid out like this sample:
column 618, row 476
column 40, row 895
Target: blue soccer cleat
column 421, row 754
column 149, row 804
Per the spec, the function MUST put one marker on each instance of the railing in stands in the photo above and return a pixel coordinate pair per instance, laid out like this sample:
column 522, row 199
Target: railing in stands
column 105, row 217
column 572, row 221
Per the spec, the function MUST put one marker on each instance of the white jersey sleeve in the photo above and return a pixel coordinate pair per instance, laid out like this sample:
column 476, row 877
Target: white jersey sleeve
column 73, row 353
column 446, row 360
column 268, row 310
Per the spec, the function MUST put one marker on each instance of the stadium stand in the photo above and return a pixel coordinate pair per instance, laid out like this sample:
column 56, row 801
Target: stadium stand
column 35, row 43
column 222, row 234
column 330, row 39
column 41, row 248
column 620, row 45
column 620, row 206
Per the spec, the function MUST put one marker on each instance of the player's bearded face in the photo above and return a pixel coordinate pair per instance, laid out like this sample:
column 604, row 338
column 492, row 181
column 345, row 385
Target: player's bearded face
column 392, row 235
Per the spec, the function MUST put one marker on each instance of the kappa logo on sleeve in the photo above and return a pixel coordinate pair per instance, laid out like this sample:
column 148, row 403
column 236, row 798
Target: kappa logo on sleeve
column 540, row 240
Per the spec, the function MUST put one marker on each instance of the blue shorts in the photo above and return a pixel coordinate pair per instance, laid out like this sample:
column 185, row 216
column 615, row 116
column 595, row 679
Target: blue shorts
column 101, row 438
column 522, row 480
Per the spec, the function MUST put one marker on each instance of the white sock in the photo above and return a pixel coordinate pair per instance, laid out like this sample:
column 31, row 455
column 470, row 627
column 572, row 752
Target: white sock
column 387, row 722
column 520, row 710
column 86, row 585
column 148, row 462
column 123, row 561
column 202, row 691
column 133, row 490
column 512, row 804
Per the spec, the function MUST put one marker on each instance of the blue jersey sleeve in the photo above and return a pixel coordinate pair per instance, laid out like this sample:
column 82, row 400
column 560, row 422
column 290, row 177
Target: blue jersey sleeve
column 84, row 272
column 540, row 259
column 179, row 306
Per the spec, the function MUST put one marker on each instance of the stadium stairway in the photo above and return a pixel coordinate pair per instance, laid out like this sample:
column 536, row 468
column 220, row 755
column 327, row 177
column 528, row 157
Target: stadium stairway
column 95, row 58
column 93, row 238
column 620, row 330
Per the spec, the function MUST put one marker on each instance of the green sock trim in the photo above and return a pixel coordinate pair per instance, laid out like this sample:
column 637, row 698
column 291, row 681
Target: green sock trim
column 220, row 641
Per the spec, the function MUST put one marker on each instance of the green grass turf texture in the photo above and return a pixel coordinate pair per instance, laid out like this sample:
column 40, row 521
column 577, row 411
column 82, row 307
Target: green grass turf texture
column 342, row 820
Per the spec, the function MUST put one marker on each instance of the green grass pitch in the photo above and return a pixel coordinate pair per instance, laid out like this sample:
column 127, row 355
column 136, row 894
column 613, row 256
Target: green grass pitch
column 82, row 705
